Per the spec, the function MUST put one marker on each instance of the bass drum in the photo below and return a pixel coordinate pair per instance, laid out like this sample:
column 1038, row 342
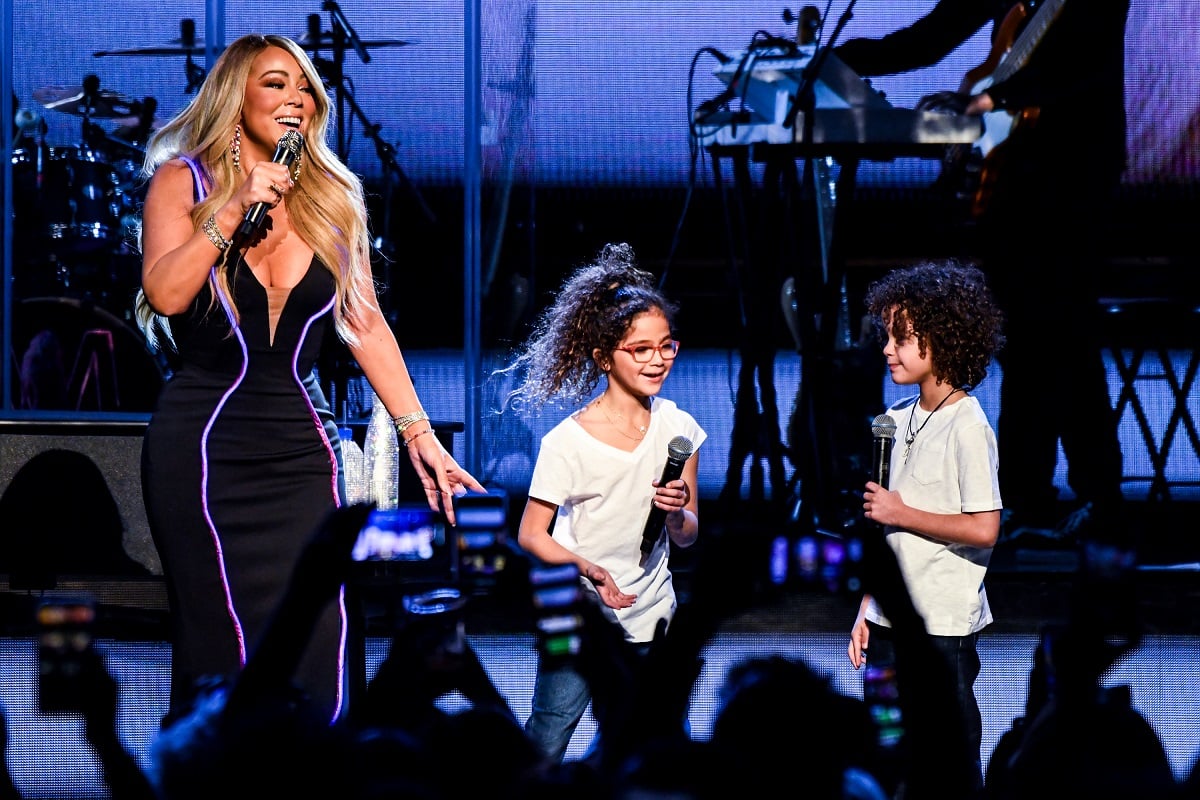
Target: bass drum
column 75, row 356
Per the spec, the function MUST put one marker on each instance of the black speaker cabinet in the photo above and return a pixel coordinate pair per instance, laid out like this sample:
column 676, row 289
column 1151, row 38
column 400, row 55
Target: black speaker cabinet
column 71, row 501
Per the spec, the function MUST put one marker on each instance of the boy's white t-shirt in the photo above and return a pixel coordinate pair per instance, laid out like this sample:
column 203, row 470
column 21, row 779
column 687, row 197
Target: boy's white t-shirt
column 952, row 468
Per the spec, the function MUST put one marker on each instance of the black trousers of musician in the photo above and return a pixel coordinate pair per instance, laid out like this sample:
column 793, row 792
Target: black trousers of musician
column 1041, row 242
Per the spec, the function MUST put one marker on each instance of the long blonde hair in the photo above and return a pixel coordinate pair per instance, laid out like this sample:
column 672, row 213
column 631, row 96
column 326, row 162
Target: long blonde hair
column 327, row 206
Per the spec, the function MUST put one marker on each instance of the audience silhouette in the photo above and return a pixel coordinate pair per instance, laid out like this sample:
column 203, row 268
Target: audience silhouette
column 44, row 534
column 1078, row 735
column 779, row 723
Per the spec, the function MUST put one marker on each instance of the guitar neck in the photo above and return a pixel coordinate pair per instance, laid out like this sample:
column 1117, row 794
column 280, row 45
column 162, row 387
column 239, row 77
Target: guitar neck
column 1033, row 32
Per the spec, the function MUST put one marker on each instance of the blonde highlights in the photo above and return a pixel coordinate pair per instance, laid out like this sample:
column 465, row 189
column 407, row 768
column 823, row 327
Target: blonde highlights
column 327, row 207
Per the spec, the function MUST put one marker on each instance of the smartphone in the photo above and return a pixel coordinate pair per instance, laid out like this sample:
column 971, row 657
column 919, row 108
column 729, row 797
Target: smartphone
column 405, row 533
column 410, row 544
column 482, row 532
column 557, row 597
column 65, row 630
column 883, row 701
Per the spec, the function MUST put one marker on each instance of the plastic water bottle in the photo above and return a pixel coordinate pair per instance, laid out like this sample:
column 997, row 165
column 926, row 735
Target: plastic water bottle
column 381, row 458
column 354, row 466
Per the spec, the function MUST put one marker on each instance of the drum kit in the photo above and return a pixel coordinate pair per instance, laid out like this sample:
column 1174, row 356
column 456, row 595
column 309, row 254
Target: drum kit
column 76, row 207
column 75, row 265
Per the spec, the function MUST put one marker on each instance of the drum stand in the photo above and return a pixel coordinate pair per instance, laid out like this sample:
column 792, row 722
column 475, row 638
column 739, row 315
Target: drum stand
column 95, row 344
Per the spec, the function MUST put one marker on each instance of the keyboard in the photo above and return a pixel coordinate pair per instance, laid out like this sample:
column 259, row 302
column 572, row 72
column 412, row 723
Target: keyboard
column 759, row 106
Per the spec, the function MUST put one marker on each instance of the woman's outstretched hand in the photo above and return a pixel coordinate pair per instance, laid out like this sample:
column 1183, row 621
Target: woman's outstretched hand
column 441, row 476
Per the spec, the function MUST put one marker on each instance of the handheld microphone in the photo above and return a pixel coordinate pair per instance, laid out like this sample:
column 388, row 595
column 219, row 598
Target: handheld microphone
column 679, row 450
column 883, row 428
column 286, row 152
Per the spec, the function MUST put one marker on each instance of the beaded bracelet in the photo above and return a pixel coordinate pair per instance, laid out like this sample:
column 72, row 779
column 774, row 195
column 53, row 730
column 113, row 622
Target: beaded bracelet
column 214, row 233
column 403, row 421
column 416, row 436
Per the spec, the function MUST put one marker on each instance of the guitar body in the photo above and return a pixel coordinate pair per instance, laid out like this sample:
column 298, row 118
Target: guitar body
column 1002, row 43
column 971, row 170
column 988, row 164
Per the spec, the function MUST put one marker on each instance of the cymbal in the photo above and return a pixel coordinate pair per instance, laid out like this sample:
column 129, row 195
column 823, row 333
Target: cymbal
column 327, row 42
column 72, row 100
column 173, row 50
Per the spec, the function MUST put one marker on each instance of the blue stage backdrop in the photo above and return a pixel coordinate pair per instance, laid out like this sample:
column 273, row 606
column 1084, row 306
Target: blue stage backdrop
column 573, row 93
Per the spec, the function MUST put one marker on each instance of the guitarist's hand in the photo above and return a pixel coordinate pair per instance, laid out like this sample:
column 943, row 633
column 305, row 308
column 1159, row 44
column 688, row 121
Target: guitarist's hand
column 944, row 102
column 980, row 104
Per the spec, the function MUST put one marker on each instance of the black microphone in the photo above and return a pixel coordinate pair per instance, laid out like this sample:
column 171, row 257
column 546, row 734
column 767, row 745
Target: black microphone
column 679, row 450
column 883, row 428
column 91, row 92
column 313, row 37
column 187, row 33
column 286, row 152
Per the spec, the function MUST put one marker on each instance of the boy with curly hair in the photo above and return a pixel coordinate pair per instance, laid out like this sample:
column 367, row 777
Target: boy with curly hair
column 941, row 511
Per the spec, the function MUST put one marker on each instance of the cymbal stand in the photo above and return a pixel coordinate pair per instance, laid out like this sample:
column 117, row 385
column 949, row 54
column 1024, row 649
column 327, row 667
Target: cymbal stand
column 340, row 31
column 195, row 75
column 89, row 132
column 387, row 157
column 333, row 73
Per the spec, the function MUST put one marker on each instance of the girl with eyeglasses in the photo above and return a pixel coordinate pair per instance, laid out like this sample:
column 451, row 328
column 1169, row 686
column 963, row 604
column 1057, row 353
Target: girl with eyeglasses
column 597, row 475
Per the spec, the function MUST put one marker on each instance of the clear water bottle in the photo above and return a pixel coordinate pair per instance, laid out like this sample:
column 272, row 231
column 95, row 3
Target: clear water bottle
column 353, row 465
column 381, row 458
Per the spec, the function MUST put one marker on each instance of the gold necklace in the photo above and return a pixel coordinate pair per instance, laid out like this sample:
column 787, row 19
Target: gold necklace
column 912, row 435
column 641, row 429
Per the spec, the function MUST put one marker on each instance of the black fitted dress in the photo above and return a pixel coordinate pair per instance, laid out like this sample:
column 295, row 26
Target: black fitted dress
column 239, row 466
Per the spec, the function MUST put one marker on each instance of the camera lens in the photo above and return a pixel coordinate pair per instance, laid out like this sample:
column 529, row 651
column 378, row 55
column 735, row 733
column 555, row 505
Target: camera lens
column 435, row 601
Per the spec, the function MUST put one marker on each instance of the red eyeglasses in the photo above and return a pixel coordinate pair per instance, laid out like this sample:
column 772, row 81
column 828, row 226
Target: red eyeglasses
column 642, row 353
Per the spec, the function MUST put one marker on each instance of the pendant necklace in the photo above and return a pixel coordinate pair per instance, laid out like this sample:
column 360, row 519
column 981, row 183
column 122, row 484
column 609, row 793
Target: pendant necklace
column 641, row 429
column 911, row 436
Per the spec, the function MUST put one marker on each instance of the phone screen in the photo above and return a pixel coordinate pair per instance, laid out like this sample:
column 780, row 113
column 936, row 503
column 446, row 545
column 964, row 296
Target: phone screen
column 64, row 638
column 405, row 533
column 883, row 700
column 556, row 596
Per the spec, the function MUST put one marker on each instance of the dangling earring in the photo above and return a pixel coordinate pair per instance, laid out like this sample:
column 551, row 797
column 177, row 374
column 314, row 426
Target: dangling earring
column 296, row 171
column 235, row 147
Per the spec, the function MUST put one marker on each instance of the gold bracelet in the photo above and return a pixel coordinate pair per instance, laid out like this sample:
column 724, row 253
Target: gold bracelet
column 404, row 421
column 214, row 233
column 410, row 439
